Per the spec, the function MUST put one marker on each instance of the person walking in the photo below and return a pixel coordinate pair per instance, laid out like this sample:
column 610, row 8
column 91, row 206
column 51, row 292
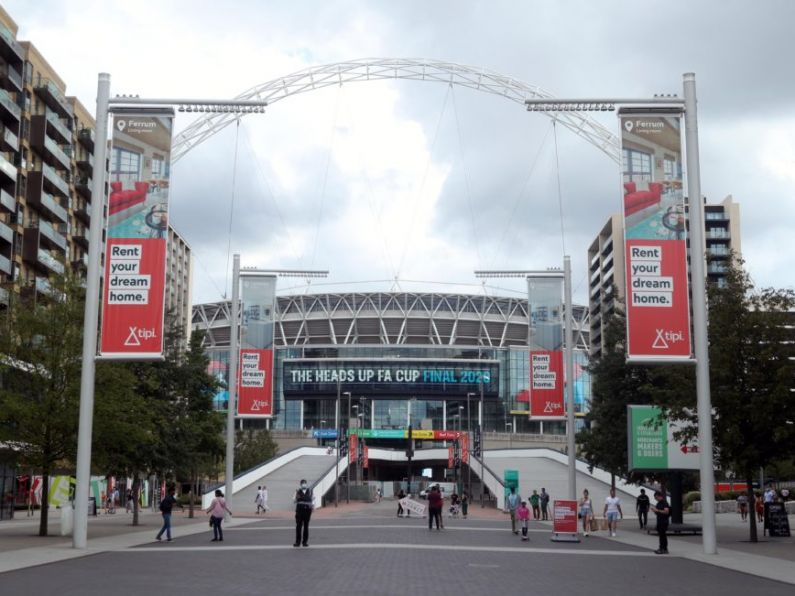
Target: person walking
column 512, row 503
column 612, row 511
column 464, row 505
column 586, row 512
column 435, row 506
column 400, row 495
column 544, row 502
column 642, row 508
column 534, row 503
column 304, row 504
column 663, row 511
column 128, row 501
column 216, row 511
column 166, row 506
column 523, row 513
column 265, row 507
column 742, row 506
column 258, row 499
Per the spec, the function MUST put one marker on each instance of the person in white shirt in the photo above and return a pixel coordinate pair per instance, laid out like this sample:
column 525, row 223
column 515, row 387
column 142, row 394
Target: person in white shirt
column 612, row 511
column 770, row 495
column 265, row 507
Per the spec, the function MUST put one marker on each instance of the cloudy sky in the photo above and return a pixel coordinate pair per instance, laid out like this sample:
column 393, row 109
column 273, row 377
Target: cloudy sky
column 416, row 184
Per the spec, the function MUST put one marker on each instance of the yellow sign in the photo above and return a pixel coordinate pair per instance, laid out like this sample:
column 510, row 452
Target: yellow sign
column 421, row 434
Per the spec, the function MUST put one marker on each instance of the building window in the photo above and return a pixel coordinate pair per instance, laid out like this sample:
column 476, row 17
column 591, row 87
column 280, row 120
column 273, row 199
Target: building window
column 126, row 166
column 637, row 166
column 157, row 168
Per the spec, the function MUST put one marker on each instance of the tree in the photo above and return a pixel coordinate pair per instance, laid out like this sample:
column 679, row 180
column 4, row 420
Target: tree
column 752, row 375
column 252, row 447
column 41, row 344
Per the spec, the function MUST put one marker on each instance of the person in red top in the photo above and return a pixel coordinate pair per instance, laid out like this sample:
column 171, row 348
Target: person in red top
column 435, row 506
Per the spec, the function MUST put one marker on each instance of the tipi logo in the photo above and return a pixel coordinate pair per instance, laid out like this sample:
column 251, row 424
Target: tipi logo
column 121, row 125
column 629, row 125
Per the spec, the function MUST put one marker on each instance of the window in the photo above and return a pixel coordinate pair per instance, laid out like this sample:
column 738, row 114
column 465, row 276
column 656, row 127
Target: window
column 637, row 166
column 157, row 168
column 126, row 166
column 670, row 170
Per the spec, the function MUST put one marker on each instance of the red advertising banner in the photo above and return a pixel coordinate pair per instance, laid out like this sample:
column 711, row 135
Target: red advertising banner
column 255, row 383
column 450, row 457
column 546, row 384
column 353, row 449
column 366, row 457
column 655, row 237
column 135, row 250
column 465, row 448
column 564, row 517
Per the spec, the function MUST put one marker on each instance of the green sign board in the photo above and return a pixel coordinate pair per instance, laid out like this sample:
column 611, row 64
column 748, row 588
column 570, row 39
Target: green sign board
column 652, row 445
column 511, row 480
column 378, row 433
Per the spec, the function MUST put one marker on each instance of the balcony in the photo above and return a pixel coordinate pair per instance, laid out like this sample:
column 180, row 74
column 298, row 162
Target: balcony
column 10, row 78
column 80, row 235
column 41, row 200
column 38, row 257
column 53, row 180
column 6, row 234
column 7, row 169
column 9, row 110
column 52, row 96
column 86, row 137
column 4, row 296
column 83, row 186
column 50, row 124
column 9, row 46
column 8, row 140
column 85, row 162
column 8, row 202
column 81, row 263
column 82, row 213
column 46, row 235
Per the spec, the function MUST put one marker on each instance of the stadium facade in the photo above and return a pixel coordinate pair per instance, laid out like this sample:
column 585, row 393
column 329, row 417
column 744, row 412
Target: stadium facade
column 484, row 337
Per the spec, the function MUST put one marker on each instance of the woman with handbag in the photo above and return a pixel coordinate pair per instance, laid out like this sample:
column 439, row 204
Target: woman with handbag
column 216, row 511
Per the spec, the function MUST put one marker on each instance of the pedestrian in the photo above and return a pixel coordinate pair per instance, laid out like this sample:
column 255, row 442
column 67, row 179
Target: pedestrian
column 265, row 507
column 464, row 505
column 216, row 511
column 785, row 494
column 523, row 513
column 759, row 507
column 742, row 506
column 435, row 506
column 770, row 494
column 586, row 512
column 544, row 501
column 166, row 505
column 258, row 499
column 663, row 511
column 378, row 495
column 534, row 503
column 304, row 504
column 612, row 511
column 642, row 508
column 128, row 500
column 512, row 503
column 400, row 495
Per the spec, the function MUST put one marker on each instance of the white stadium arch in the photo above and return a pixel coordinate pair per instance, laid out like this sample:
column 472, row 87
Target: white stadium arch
column 373, row 69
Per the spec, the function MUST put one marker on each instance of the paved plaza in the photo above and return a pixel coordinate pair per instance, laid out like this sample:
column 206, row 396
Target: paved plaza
column 366, row 549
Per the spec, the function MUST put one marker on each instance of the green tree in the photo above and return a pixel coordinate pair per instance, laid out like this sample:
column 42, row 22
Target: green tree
column 752, row 375
column 41, row 344
column 252, row 447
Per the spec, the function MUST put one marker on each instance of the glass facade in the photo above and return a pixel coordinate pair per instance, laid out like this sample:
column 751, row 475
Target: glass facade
column 505, row 411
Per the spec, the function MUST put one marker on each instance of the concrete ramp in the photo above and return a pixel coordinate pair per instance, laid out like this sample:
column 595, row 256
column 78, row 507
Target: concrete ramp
column 549, row 469
column 281, row 475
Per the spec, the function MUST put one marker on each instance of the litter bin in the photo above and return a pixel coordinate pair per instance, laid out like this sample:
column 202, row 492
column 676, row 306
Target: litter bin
column 67, row 519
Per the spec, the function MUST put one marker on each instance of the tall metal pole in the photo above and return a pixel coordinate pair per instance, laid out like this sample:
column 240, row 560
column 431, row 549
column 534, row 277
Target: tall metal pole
column 698, row 289
column 569, row 331
column 469, row 446
column 348, row 466
column 234, row 351
column 337, row 454
column 91, row 318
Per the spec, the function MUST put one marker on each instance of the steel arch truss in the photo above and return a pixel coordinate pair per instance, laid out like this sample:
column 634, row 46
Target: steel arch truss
column 374, row 69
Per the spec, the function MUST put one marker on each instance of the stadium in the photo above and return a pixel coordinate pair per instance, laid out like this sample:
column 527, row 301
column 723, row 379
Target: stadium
column 483, row 338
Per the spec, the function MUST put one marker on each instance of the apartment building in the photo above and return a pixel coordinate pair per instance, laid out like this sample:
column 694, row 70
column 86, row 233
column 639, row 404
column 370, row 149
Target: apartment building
column 46, row 169
column 606, row 264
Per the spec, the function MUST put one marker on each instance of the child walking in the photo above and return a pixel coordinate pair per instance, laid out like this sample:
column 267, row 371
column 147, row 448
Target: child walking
column 523, row 513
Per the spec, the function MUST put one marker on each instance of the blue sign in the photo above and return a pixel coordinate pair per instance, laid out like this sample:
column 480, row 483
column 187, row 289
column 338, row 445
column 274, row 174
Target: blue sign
column 324, row 433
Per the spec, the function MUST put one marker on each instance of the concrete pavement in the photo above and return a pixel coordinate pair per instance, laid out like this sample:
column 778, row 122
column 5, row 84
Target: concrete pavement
column 388, row 556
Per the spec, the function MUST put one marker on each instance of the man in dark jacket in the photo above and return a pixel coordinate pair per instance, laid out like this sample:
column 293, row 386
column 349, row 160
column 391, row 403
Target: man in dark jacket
column 304, row 503
column 663, row 511
column 166, row 505
column 642, row 507
column 435, row 505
